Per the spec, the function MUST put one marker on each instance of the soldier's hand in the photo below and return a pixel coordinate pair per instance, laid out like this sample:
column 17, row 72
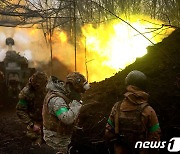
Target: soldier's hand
column 36, row 128
column 75, row 103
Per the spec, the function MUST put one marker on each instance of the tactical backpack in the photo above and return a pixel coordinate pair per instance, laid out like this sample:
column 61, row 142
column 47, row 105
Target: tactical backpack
column 128, row 125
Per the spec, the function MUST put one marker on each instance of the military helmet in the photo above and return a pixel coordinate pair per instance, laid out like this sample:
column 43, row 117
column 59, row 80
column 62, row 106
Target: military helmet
column 38, row 80
column 9, row 41
column 136, row 78
column 78, row 81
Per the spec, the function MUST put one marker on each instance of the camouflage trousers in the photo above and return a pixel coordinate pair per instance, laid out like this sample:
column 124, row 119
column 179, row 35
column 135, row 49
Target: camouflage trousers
column 56, row 141
column 36, row 137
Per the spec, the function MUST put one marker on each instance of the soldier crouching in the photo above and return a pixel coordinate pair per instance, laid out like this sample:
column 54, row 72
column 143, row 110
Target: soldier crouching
column 29, row 107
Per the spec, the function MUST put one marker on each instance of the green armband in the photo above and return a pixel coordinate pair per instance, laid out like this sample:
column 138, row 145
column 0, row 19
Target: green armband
column 61, row 110
column 22, row 102
column 154, row 128
column 110, row 123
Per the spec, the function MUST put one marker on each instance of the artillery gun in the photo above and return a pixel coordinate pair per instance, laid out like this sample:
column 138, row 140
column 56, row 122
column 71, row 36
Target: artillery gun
column 15, row 70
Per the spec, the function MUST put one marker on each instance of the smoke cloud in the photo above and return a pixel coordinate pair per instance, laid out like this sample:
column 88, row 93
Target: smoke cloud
column 31, row 44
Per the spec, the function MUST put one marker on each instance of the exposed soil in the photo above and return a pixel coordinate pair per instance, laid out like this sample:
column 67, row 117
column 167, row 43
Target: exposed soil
column 162, row 66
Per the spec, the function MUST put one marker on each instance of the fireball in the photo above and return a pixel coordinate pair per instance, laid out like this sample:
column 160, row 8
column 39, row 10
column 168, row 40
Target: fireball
column 115, row 45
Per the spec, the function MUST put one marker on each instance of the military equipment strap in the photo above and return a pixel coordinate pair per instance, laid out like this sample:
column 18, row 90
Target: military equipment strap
column 117, row 118
column 142, row 107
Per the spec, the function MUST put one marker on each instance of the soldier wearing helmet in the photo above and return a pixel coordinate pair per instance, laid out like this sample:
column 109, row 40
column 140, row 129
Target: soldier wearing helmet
column 132, row 119
column 29, row 107
column 61, row 108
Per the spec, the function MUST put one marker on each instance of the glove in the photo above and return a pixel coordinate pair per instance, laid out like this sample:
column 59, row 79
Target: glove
column 75, row 103
column 36, row 128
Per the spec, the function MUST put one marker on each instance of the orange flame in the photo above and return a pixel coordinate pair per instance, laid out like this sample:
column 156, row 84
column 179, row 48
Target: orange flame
column 63, row 37
column 59, row 36
column 115, row 45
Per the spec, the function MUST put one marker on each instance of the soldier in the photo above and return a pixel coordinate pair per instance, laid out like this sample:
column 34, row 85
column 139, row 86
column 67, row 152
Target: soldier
column 61, row 108
column 29, row 107
column 133, row 119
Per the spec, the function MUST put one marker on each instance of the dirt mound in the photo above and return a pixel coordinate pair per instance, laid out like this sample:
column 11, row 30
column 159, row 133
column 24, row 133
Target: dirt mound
column 162, row 66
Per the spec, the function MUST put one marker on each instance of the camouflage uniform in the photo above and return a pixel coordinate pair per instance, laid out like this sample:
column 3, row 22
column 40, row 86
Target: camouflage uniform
column 134, row 103
column 29, row 107
column 60, row 112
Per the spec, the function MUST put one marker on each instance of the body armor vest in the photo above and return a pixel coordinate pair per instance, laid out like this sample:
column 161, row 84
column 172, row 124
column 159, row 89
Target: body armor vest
column 50, row 121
